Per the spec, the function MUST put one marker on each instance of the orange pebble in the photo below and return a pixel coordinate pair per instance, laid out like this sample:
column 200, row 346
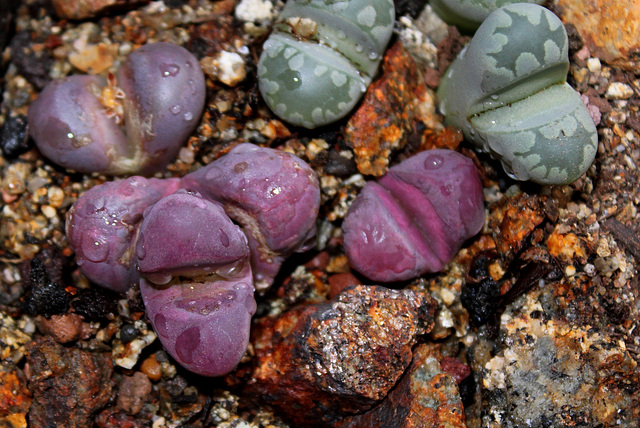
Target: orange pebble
column 151, row 367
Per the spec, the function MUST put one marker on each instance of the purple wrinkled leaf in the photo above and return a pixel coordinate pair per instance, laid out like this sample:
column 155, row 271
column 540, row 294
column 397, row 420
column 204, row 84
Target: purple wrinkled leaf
column 415, row 218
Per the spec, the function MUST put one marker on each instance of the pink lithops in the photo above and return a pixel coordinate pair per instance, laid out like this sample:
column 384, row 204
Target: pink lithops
column 103, row 224
column 197, row 285
column 195, row 266
column 274, row 195
column 415, row 218
column 133, row 124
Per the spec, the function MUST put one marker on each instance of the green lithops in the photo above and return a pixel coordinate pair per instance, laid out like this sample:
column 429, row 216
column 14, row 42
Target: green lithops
column 469, row 14
column 507, row 91
column 321, row 56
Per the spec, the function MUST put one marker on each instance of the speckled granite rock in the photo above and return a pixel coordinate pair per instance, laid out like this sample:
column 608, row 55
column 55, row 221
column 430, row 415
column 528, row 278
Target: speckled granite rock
column 549, row 372
column 318, row 363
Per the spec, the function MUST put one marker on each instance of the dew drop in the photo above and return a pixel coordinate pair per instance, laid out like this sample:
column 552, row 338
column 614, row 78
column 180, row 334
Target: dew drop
column 291, row 79
column 494, row 97
column 94, row 250
column 230, row 270
column 141, row 250
column 169, row 69
column 188, row 116
column 359, row 48
column 70, row 135
column 176, row 109
column 342, row 35
column 373, row 56
column 192, row 86
column 433, row 162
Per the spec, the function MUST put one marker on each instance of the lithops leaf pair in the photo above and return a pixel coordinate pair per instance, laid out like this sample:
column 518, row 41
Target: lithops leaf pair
column 469, row 14
column 321, row 56
column 196, row 282
column 507, row 91
column 133, row 124
column 414, row 219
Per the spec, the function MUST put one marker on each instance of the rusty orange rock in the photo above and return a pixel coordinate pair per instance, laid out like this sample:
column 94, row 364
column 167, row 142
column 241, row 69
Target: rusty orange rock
column 609, row 28
column 388, row 113
column 81, row 9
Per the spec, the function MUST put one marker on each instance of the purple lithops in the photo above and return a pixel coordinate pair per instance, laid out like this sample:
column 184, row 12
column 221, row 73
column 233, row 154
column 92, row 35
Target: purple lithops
column 274, row 195
column 176, row 238
column 103, row 224
column 197, row 282
column 133, row 124
column 415, row 218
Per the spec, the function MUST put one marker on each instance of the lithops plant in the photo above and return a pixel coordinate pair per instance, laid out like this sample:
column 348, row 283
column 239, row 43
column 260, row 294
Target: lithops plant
column 321, row 56
column 194, row 265
column 133, row 123
column 414, row 219
column 469, row 14
column 507, row 91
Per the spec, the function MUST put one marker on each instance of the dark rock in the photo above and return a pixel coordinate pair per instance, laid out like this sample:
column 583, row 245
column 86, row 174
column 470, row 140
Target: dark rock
column 339, row 165
column 94, row 304
column 127, row 333
column 68, row 385
column 46, row 296
column 13, row 136
column 480, row 295
column 409, row 7
column 34, row 66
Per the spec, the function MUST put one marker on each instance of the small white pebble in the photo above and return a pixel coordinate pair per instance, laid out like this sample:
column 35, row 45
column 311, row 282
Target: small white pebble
column 231, row 66
column 619, row 91
column 227, row 67
column 48, row 211
column 593, row 64
column 570, row 270
column 55, row 196
column 255, row 11
column 159, row 422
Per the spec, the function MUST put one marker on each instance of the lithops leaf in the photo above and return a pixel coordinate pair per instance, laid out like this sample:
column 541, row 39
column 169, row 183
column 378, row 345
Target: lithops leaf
column 415, row 218
column 507, row 91
column 196, row 282
column 321, row 56
column 469, row 14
